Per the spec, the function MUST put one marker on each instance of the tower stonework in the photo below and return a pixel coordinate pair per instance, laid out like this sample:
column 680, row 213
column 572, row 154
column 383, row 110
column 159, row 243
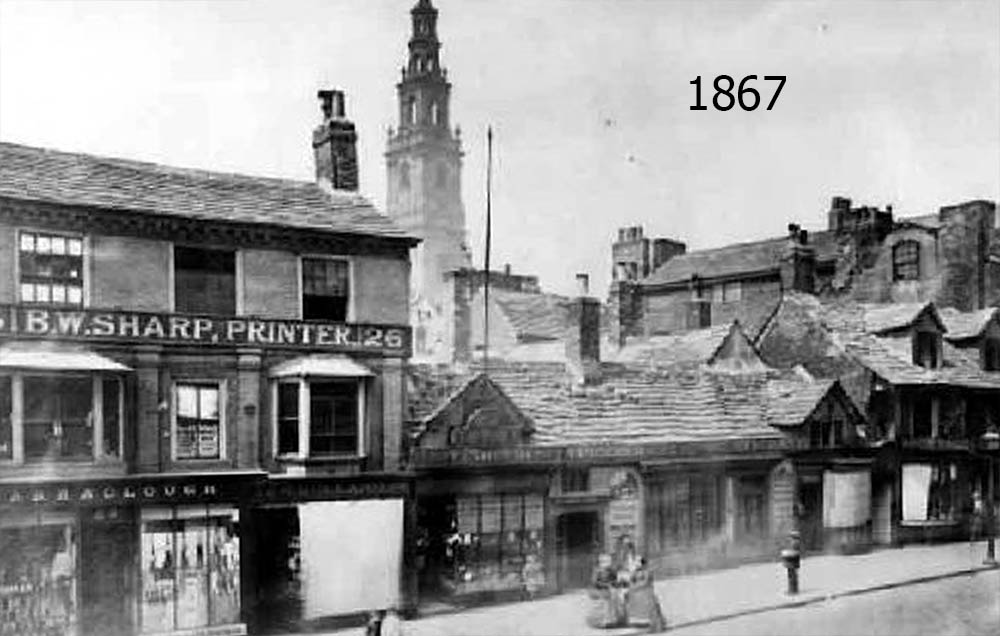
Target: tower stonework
column 424, row 168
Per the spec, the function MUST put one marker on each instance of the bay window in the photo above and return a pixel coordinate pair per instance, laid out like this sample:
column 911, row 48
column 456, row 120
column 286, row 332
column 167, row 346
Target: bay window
column 48, row 417
column 319, row 417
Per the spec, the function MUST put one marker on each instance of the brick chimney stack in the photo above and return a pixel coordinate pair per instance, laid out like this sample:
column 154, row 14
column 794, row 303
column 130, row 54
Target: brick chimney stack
column 583, row 334
column 335, row 144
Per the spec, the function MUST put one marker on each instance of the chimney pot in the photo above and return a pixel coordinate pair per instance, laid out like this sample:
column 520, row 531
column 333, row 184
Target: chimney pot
column 583, row 284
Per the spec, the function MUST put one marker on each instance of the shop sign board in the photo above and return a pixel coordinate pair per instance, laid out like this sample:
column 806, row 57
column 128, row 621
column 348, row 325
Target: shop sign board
column 105, row 325
column 119, row 492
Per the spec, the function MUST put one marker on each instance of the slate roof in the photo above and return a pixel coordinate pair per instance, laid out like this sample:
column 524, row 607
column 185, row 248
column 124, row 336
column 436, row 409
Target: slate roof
column 53, row 176
column 962, row 325
column 834, row 340
column 696, row 345
column 533, row 316
column 736, row 259
column 639, row 405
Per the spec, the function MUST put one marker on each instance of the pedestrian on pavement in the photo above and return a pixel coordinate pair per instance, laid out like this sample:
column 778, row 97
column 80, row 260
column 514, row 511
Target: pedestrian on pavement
column 607, row 607
column 532, row 577
column 374, row 625
column 643, row 603
column 391, row 625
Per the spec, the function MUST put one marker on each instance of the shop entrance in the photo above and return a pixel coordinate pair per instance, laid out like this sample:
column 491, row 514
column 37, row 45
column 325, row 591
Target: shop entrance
column 279, row 600
column 811, row 515
column 106, row 560
column 578, row 538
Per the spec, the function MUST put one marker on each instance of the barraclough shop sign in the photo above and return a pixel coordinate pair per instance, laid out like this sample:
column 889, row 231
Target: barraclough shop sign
column 131, row 326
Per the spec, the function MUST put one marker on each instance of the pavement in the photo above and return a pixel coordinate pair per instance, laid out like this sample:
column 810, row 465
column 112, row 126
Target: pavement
column 719, row 595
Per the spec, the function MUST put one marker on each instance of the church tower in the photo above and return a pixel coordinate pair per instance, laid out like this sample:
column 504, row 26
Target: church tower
column 424, row 169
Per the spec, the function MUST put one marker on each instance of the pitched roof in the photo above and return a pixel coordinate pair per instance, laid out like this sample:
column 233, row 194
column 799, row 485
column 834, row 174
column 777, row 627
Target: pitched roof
column 696, row 345
column 736, row 259
column 638, row 405
column 876, row 318
column 53, row 176
column 967, row 324
column 533, row 316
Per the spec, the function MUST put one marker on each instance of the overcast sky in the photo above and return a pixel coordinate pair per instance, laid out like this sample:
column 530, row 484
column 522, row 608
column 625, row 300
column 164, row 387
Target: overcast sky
column 885, row 102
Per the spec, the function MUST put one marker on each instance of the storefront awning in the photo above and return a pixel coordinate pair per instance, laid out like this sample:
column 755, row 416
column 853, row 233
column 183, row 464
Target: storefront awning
column 48, row 357
column 320, row 365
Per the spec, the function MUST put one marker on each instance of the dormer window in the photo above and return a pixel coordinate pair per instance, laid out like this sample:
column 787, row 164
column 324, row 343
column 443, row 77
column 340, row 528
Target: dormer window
column 906, row 261
column 926, row 345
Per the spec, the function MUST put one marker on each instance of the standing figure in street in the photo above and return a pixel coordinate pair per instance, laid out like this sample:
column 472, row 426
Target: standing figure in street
column 391, row 625
column 532, row 577
column 642, row 600
column 607, row 607
column 374, row 625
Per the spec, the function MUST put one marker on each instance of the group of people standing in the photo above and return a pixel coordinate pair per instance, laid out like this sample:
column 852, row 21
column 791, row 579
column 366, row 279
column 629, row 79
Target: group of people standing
column 622, row 592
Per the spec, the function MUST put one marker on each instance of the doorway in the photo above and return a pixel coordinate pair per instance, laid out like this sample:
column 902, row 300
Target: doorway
column 578, row 540
column 811, row 515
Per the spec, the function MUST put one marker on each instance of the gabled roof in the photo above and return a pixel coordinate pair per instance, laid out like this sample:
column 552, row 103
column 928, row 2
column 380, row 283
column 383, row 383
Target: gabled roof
column 696, row 345
column 52, row 176
column 878, row 318
column 736, row 259
column 971, row 324
column 480, row 383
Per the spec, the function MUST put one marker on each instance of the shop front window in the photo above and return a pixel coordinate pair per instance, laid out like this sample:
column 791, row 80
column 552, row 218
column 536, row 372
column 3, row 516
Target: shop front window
column 481, row 543
column 930, row 491
column 190, row 568
column 38, row 573
column 60, row 417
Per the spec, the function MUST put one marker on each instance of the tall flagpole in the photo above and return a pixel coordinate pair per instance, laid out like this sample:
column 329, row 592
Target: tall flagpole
column 489, row 229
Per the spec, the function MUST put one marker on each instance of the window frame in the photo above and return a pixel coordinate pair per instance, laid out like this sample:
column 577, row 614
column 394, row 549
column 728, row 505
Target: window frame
column 221, row 386
column 351, row 286
column 934, row 339
column 304, row 452
column 900, row 268
column 84, row 267
column 991, row 354
column 98, row 456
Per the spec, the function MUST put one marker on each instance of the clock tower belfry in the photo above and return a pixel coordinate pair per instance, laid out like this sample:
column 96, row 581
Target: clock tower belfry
column 424, row 168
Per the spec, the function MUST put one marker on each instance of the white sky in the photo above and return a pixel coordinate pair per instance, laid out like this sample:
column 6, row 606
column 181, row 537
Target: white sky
column 886, row 102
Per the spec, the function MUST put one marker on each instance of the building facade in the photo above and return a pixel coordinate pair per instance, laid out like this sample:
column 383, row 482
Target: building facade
column 195, row 365
column 424, row 175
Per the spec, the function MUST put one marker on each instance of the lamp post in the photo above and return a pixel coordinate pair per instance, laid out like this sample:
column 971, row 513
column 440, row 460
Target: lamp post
column 990, row 443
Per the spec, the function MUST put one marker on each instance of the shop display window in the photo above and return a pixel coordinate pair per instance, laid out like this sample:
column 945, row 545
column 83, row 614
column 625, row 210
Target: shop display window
column 485, row 542
column 38, row 574
column 190, row 568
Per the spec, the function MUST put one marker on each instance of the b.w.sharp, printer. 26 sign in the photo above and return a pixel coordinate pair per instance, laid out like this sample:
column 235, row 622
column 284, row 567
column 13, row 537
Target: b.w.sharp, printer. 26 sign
column 132, row 326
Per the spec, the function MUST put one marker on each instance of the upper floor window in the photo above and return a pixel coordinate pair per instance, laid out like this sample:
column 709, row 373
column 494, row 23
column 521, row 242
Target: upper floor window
column 727, row 292
column 198, row 420
column 60, row 417
column 435, row 113
column 906, row 260
column 325, row 289
column 925, row 349
column 575, row 479
column 204, row 281
column 826, row 434
column 319, row 418
column 991, row 354
column 51, row 268
column 411, row 110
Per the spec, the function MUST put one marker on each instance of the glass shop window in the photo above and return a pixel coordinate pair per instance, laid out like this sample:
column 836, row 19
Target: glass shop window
column 931, row 492
column 38, row 580
column 51, row 268
column 204, row 281
column 198, row 427
column 325, row 289
column 190, row 569
column 57, row 418
column 288, row 418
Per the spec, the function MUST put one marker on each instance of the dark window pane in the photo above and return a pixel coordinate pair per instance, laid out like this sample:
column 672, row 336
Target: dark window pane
column 57, row 418
column 325, row 289
column 906, row 261
column 926, row 347
column 204, row 281
column 333, row 418
column 922, row 417
column 112, row 414
column 6, row 430
column 288, row 417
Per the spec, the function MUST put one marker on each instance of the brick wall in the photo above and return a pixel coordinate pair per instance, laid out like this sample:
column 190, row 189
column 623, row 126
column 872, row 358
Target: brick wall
column 876, row 284
column 965, row 237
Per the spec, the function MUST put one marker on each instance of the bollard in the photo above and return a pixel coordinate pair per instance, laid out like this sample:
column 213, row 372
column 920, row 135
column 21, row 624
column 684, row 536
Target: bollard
column 790, row 559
